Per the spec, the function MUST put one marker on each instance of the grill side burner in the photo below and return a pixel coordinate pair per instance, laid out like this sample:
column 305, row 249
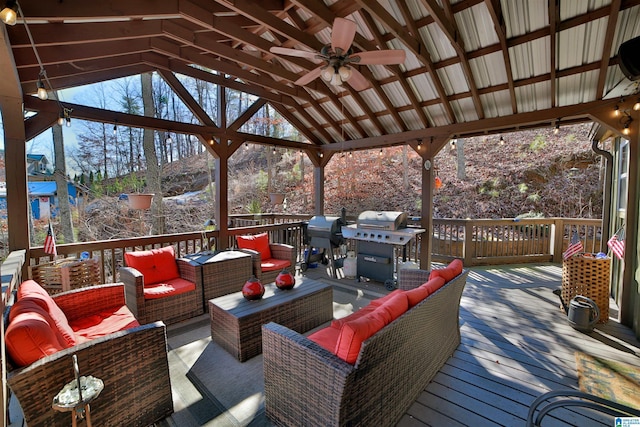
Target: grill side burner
column 378, row 233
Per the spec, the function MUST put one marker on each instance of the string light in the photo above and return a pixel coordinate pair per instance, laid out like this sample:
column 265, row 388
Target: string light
column 42, row 91
column 626, row 129
column 115, row 129
column 616, row 111
column 501, row 140
column 9, row 14
column 636, row 106
column 380, row 154
column 420, row 145
column 556, row 130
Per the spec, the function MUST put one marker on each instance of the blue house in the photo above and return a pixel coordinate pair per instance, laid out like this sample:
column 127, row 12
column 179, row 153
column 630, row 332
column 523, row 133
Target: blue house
column 44, row 199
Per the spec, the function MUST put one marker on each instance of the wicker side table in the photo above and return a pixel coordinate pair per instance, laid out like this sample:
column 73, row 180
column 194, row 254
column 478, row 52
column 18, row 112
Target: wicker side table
column 222, row 272
column 588, row 277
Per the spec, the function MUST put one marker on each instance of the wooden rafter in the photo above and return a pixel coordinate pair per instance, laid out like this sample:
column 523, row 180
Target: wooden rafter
column 606, row 46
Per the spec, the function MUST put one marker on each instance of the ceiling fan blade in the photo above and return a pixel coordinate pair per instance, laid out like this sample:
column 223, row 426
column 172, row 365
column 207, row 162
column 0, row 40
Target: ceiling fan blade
column 309, row 76
column 293, row 52
column 381, row 57
column 357, row 80
column 342, row 34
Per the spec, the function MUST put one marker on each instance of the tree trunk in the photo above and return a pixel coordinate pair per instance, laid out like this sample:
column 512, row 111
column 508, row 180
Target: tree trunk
column 460, row 157
column 153, row 168
column 60, row 173
column 405, row 167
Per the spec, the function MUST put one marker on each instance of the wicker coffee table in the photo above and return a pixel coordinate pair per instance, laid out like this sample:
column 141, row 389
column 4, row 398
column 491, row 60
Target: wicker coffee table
column 236, row 323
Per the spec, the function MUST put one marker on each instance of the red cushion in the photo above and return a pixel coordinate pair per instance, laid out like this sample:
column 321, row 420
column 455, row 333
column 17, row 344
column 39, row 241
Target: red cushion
column 337, row 323
column 394, row 307
column 354, row 333
column 433, row 284
column 168, row 288
column 417, row 294
column 273, row 264
column 105, row 323
column 379, row 301
column 156, row 265
column 30, row 289
column 30, row 336
column 449, row 272
column 326, row 338
column 257, row 242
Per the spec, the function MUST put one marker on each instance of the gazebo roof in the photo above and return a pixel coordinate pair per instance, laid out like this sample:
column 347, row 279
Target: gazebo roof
column 472, row 66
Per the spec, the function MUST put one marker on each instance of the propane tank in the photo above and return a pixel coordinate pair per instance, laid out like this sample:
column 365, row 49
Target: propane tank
column 349, row 266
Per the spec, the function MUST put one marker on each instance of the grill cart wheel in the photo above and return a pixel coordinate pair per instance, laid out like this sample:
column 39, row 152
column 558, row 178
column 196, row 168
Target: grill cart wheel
column 389, row 284
column 303, row 266
column 325, row 260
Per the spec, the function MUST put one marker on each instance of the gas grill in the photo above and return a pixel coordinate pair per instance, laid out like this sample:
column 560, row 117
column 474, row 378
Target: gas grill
column 324, row 232
column 378, row 234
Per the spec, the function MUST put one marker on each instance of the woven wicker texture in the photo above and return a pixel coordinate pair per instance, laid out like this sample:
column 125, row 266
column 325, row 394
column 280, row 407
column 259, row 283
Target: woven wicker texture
column 65, row 274
column 306, row 385
column 412, row 278
column 588, row 277
column 133, row 365
column 170, row 309
column 222, row 273
column 278, row 251
column 236, row 324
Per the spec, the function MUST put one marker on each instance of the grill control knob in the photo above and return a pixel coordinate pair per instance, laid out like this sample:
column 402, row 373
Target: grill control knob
column 401, row 238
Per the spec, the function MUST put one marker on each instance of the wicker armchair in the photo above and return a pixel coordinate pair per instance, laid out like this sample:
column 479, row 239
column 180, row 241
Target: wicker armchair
column 132, row 364
column 267, row 268
column 171, row 308
column 411, row 278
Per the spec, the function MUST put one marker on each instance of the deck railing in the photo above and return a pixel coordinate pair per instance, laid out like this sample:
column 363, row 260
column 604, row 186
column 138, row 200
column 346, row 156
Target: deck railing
column 476, row 242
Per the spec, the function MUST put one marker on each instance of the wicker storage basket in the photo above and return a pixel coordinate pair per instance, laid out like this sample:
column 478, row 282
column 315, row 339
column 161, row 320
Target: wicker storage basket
column 588, row 277
column 65, row 274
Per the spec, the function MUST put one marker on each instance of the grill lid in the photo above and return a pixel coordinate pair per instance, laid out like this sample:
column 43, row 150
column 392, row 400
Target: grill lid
column 382, row 220
column 327, row 225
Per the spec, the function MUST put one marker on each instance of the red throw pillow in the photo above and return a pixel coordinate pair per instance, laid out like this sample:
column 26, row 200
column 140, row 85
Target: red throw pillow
column 257, row 242
column 30, row 335
column 30, row 289
column 326, row 338
column 449, row 272
column 394, row 307
column 156, row 265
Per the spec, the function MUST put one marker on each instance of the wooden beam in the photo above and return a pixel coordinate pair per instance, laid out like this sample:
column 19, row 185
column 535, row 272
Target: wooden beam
column 186, row 97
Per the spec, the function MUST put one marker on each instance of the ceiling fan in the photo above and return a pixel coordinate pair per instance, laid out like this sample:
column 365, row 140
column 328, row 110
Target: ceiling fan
column 339, row 57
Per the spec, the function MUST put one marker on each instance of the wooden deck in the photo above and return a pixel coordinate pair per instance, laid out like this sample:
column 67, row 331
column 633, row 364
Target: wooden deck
column 516, row 345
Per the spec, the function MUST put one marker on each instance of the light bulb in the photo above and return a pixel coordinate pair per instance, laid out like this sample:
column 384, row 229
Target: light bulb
column 616, row 111
column 68, row 121
column 380, row 152
column 115, row 130
column 8, row 15
column 626, row 129
column 168, row 140
column 636, row 106
column 336, row 80
column 501, row 140
column 345, row 73
column 327, row 74
column 556, row 130
column 61, row 120
column 42, row 92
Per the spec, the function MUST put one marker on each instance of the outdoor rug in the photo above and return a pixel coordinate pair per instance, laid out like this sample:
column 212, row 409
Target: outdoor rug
column 615, row 381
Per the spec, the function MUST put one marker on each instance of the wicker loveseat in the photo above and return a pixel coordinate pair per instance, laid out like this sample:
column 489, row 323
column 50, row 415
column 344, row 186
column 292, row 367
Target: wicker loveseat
column 308, row 385
column 131, row 361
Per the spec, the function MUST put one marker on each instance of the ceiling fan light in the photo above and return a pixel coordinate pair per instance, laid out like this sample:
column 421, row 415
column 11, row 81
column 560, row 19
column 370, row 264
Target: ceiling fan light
column 336, row 80
column 327, row 74
column 345, row 73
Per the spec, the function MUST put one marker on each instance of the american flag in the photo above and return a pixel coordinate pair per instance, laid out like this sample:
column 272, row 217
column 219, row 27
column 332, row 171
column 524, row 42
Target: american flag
column 616, row 243
column 574, row 247
column 50, row 242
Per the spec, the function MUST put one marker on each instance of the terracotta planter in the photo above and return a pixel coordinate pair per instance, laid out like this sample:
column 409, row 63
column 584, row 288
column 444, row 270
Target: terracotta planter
column 139, row 201
column 276, row 198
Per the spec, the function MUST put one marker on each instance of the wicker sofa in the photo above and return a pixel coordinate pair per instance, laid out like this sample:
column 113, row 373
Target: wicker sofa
column 132, row 361
column 306, row 384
